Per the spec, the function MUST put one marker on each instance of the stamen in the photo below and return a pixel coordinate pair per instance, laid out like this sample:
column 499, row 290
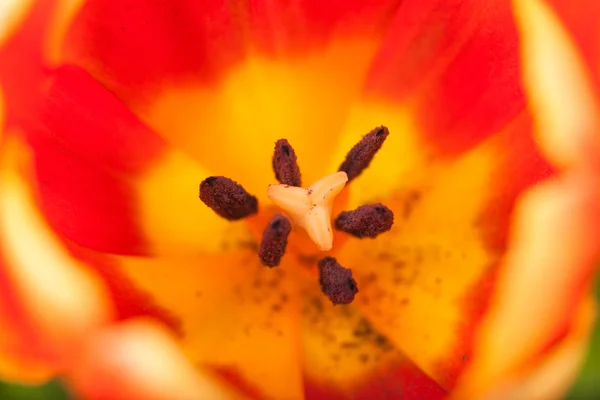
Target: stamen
column 274, row 240
column 366, row 221
column 336, row 281
column 285, row 164
column 360, row 156
column 227, row 198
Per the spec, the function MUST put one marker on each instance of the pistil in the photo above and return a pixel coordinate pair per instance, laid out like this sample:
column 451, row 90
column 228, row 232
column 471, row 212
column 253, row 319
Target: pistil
column 311, row 207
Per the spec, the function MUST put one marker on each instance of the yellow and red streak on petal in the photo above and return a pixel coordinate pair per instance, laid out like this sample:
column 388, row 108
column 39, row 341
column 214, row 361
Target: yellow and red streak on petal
column 521, row 160
column 552, row 266
column 42, row 322
column 35, row 328
column 579, row 17
column 13, row 13
column 129, row 300
column 455, row 65
column 139, row 360
column 22, row 67
column 551, row 373
column 560, row 88
column 553, row 236
column 21, row 356
column 345, row 357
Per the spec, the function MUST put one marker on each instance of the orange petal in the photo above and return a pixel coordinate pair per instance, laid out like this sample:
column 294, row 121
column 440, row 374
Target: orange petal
column 21, row 70
column 139, row 360
column 562, row 96
column 82, row 177
column 62, row 17
column 50, row 300
column 553, row 255
column 579, row 18
column 345, row 357
column 553, row 374
column 237, row 317
column 425, row 284
column 454, row 64
column 2, row 108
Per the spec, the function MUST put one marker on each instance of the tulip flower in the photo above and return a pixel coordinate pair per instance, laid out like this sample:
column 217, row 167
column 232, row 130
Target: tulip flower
column 298, row 200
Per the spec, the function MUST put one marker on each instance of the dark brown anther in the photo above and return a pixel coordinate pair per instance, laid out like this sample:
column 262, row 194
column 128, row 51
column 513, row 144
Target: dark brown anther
column 366, row 221
column 274, row 240
column 336, row 281
column 360, row 156
column 285, row 164
column 227, row 198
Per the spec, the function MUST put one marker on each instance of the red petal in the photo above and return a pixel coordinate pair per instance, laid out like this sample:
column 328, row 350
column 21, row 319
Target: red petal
column 135, row 45
column 456, row 64
column 108, row 182
column 579, row 16
column 46, row 311
column 21, row 69
column 402, row 381
column 89, row 121
column 85, row 145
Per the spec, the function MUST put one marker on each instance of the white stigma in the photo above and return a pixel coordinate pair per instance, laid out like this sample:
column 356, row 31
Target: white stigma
column 311, row 207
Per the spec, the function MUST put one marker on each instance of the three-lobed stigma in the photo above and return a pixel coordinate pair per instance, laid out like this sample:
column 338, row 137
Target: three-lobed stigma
column 311, row 207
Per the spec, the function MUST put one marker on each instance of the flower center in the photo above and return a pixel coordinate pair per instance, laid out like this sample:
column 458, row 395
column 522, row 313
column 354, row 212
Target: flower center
column 309, row 208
